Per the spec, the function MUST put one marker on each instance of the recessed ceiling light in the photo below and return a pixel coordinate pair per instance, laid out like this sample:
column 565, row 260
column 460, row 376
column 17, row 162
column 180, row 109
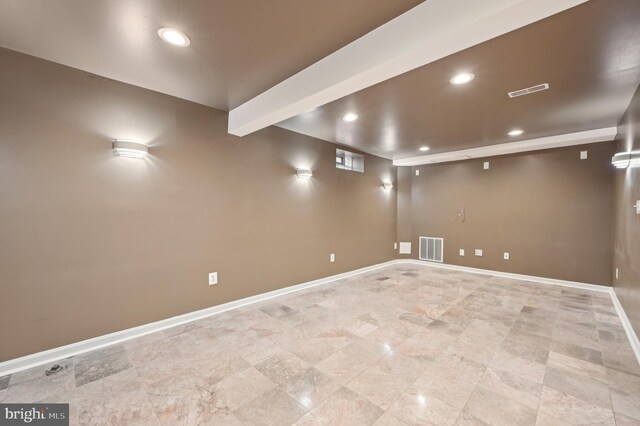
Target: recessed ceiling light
column 350, row 116
column 462, row 78
column 173, row 36
column 516, row 132
column 424, row 148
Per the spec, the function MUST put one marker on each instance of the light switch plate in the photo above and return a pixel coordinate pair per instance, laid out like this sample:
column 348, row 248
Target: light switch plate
column 461, row 252
column 213, row 278
column 584, row 155
column 486, row 165
column 616, row 273
column 332, row 257
column 638, row 207
column 478, row 252
column 505, row 256
column 417, row 172
column 395, row 246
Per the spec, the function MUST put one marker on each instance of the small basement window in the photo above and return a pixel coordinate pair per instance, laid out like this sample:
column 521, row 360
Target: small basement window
column 346, row 160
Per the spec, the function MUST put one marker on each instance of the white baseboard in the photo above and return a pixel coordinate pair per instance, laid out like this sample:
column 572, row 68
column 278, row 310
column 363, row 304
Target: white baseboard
column 62, row 352
column 55, row 354
column 542, row 280
column 628, row 328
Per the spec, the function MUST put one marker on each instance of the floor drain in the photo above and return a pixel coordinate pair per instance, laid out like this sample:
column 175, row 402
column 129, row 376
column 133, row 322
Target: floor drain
column 54, row 369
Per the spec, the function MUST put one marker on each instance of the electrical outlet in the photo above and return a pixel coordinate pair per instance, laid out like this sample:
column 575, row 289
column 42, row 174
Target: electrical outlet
column 395, row 246
column 584, row 155
column 478, row 252
column 461, row 252
column 638, row 207
column 616, row 273
column 213, row 278
column 486, row 165
column 332, row 257
column 417, row 172
column 505, row 256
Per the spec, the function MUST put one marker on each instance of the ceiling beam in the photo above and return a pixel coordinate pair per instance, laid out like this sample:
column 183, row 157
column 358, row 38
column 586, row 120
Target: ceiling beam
column 428, row 32
column 558, row 141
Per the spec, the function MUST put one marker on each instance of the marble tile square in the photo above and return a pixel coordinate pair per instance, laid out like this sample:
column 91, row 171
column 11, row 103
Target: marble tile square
column 496, row 410
column 278, row 310
column 451, row 378
column 127, row 402
column 625, row 393
column 578, row 352
column 509, row 385
column 402, row 367
column 577, row 385
column 89, row 369
column 346, row 407
column 378, row 386
column 273, row 408
column 560, row 408
column 282, row 367
column 417, row 407
column 342, row 367
column 310, row 387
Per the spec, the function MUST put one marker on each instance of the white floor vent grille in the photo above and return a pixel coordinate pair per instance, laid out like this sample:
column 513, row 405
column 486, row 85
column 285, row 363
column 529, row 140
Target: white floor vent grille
column 431, row 249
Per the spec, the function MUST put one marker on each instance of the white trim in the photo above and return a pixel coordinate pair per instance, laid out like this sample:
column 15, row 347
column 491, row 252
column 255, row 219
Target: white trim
column 541, row 280
column 428, row 32
column 558, row 141
column 628, row 328
column 51, row 355
column 73, row 349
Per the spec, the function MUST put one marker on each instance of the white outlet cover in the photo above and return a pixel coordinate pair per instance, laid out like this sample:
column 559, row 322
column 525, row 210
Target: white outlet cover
column 461, row 252
column 584, row 155
column 506, row 256
column 486, row 165
column 478, row 252
column 405, row 248
column 395, row 246
column 332, row 257
column 638, row 207
column 213, row 278
column 616, row 273
column 417, row 172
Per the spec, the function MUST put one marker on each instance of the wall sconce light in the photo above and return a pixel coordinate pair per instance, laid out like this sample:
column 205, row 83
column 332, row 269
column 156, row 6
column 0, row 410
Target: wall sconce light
column 622, row 160
column 130, row 149
column 387, row 185
column 304, row 173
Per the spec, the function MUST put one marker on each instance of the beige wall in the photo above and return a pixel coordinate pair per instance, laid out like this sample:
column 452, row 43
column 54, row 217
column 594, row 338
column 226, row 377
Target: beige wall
column 550, row 210
column 626, row 221
column 91, row 243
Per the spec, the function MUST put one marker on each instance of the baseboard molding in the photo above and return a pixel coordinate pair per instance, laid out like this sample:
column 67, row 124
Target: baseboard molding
column 521, row 277
column 55, row 354
column 628, row 328
column 73, row 349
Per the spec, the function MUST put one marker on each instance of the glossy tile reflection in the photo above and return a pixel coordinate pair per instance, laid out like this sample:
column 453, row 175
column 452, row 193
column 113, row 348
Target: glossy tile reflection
column 404, row 345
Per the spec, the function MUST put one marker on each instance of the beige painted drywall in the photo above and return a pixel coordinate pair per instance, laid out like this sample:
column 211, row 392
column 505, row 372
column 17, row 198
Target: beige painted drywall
column 626, row 221
column 91, row 243
column 549, row 210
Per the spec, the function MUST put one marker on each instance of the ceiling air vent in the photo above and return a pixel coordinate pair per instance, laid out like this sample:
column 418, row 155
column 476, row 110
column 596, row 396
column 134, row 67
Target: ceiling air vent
column 528, row 90
column 431, row 249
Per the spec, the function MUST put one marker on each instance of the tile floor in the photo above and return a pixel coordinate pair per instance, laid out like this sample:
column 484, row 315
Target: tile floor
column 405, row 345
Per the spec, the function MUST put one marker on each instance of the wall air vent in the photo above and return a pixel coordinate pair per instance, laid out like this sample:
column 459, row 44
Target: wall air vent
column 528, row 90
column 431, row 249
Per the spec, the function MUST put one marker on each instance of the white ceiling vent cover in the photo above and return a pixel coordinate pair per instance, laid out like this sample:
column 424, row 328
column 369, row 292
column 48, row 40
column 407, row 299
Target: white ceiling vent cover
column 528, row 90
column 431, row 249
